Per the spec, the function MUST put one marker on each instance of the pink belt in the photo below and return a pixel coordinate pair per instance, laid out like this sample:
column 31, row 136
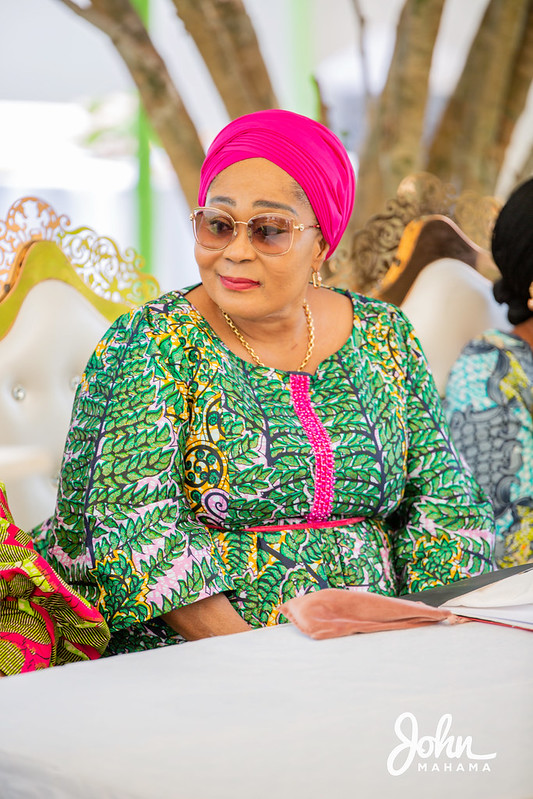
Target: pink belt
column 276, row 528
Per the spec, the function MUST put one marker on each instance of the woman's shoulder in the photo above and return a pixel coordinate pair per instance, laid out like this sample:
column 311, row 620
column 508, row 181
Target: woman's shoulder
column 492, row 343
column 376, row 320
column 167, row 326
column 172, row 303
column 504, row 340
column 381, row 330
column 159, row 314
column 370, row 309
column 493, row 355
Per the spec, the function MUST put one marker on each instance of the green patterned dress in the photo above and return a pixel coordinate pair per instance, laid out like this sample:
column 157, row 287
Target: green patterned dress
column 189, row 472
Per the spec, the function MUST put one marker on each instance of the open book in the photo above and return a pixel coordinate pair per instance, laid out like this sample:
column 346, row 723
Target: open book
column 504, row 597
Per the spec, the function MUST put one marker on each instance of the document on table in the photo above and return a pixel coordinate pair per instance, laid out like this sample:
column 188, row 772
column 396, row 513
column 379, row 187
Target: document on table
column 504, row 597
column 508, row 601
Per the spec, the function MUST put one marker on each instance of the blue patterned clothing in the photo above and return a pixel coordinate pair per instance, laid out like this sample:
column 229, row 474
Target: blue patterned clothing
column 489, row 404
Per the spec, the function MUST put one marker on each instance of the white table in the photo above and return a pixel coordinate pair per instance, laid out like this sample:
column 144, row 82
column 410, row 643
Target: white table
column 271, row 713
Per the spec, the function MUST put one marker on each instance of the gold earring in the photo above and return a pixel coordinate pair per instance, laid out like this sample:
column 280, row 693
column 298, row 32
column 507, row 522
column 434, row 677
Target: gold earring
column 317, row 279
column 530, row 301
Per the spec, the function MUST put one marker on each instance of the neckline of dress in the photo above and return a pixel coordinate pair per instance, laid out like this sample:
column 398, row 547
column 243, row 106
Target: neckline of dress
column 287, row 372
column 494, row 332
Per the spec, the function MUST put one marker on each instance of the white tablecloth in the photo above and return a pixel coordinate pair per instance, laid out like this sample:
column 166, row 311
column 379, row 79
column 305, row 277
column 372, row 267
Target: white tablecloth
column 271, row 713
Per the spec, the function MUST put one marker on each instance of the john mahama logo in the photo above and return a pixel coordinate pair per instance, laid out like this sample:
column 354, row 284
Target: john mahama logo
column 442, row 751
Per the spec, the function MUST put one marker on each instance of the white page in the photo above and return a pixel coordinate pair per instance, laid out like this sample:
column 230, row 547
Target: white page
column 514, row 590
column 518, row 615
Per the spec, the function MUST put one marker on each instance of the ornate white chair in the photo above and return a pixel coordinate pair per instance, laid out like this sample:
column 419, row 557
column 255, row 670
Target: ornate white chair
column 60, row 288
column 449, row 304
column 428, row 254
column 435, row 279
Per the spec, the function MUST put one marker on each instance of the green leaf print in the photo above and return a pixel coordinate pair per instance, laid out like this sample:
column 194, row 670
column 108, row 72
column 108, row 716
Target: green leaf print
column 252, row 479
column 162, row 386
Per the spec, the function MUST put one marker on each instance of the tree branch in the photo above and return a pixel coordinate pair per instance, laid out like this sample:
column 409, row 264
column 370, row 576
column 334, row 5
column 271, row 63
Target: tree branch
column 518, row 90
column 164, row 107
column 226, row 39
column 526, row 170
column 392, row 149
column 464, row 144
column 363, row 55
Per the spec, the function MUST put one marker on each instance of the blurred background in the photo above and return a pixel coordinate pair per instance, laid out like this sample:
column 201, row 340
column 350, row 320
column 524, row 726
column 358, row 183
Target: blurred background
column 438, row 85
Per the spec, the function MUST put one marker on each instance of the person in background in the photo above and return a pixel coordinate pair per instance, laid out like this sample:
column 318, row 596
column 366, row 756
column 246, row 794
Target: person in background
column 43, row 622
column 489, row 396
column 258, row 436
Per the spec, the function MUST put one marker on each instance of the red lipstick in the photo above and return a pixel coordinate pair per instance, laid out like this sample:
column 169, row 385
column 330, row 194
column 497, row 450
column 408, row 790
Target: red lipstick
column 238, row 283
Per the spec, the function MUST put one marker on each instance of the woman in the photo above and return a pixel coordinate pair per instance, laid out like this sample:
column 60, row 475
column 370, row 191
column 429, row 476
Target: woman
column 258, row 436
column 489, row 396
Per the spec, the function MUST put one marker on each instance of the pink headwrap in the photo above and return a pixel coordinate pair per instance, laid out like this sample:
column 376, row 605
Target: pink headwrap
column 305, row 149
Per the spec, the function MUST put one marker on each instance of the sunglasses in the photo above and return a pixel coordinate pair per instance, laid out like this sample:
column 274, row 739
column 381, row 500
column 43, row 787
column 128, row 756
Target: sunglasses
column 269, row 234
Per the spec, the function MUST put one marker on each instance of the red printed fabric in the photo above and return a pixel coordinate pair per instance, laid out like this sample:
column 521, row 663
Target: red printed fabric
column 43, row 622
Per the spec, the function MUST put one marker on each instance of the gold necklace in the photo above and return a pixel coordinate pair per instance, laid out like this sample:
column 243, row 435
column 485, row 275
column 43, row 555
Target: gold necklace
column 253, row 353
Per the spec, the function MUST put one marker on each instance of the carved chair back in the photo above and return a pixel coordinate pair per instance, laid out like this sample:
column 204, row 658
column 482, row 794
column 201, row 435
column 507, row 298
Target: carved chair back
column 428, row 253
column 60, row 288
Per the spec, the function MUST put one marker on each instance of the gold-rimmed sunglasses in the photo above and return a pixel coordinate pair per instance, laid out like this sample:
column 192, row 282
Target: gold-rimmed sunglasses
column 269, row 234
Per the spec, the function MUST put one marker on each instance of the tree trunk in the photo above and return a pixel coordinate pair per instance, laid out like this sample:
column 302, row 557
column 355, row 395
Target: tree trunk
column 526, row 170
column 226, row 39
column 392, row 148
column 519, row 86
column 160, row 98
column 464, row 149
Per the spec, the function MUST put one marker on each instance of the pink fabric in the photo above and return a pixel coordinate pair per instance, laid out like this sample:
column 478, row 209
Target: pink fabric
column 323, row 452
column 278, row 528
column 308, row 151
column 334, row 612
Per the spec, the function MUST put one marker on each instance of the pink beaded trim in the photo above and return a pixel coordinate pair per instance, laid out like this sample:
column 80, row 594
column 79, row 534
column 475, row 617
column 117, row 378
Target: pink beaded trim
column 324, row 463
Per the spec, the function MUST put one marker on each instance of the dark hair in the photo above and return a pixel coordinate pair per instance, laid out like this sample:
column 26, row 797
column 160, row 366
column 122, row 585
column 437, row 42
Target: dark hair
column 512, row 250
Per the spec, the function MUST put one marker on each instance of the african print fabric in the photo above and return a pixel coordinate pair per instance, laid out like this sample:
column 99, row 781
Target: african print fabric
column 489, row 403
column 180, row 453
column 42, row 622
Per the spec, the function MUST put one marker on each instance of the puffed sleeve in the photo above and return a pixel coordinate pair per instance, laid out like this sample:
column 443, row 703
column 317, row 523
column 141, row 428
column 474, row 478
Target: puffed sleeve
column 123, row 526
column 444, row 526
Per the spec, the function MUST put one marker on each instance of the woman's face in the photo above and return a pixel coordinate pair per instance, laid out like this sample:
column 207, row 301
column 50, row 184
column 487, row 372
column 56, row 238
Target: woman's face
column 246, row 283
